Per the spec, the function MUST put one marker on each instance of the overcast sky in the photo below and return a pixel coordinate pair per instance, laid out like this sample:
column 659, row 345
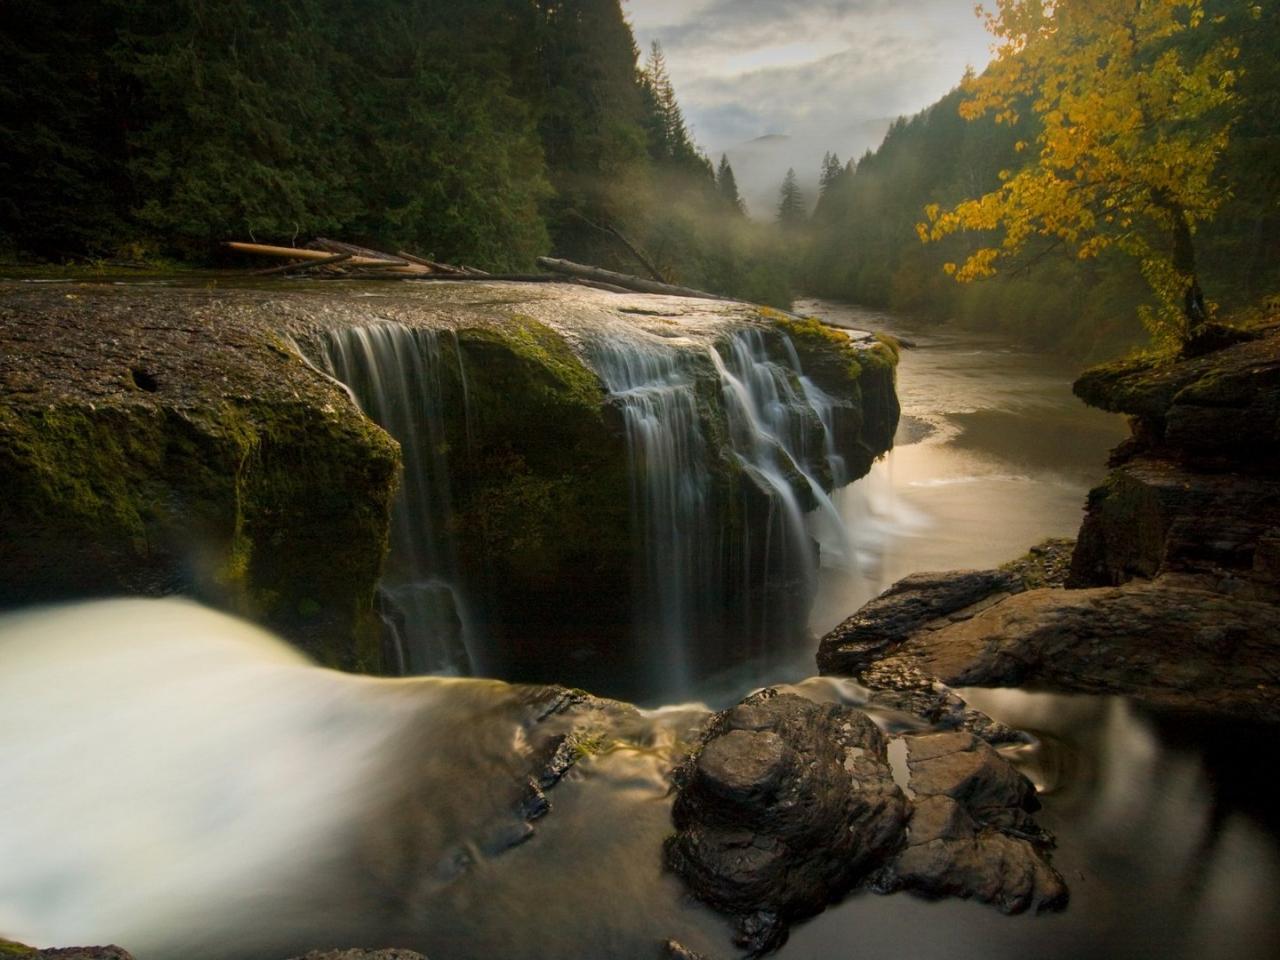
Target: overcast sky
column 828, row 74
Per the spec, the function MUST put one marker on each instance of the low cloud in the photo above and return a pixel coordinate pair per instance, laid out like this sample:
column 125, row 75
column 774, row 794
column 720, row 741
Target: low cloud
column 827, row 74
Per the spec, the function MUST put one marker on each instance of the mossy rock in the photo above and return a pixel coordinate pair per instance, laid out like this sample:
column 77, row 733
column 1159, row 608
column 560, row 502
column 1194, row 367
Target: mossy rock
column 229, row 472
column 162, row 440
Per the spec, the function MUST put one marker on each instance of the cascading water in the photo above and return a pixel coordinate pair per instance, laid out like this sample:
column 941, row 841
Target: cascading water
column 397, row 375
column 723, row 562
column 671, row 492
column 781, row 431
column 732, row 454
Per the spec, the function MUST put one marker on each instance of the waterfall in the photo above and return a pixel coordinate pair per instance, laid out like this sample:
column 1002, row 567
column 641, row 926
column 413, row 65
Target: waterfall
column 732, row 454
column 655, row 385
column 781, row 432
column 720, row 573
column 397, row 374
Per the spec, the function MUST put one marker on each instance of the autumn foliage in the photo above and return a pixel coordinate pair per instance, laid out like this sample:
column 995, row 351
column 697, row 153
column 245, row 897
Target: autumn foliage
column 1133, row 119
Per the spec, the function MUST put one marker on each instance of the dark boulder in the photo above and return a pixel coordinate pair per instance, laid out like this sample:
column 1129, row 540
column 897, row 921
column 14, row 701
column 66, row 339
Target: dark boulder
column 971, row 834
column 785, row 807
column 789, row 804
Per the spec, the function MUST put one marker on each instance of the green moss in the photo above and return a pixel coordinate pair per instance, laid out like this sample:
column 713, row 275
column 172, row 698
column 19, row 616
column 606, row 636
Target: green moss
column 589, row 743
column 541, row 505
column 1047, row 564
column 549, row 363
column 252, row 506
column 11, row 948
column 891, row 343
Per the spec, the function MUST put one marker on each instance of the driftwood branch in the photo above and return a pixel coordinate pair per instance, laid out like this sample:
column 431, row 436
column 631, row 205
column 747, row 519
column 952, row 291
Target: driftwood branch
column 626, row 281
column 617, row 234
column 301, row 253
column 301, row 266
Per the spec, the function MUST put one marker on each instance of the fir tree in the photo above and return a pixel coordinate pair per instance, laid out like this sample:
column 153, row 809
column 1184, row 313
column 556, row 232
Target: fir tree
column 727, row 185
column 832, row 170
column 669, row 139
column 792, row 207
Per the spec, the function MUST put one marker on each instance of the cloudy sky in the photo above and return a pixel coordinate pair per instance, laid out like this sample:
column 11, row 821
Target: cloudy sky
column 827, row 74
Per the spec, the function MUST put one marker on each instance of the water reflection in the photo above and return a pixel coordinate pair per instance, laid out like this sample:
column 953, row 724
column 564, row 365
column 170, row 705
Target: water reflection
column 1169, row 850
column 993, row 455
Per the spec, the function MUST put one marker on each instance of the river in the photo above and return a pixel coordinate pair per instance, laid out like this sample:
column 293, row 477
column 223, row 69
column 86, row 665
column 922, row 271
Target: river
column 192, row 788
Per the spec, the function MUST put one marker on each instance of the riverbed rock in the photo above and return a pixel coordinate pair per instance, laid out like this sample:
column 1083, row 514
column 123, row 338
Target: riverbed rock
column 906, row 607
column 971, row 833
column 1162, row 642
column 1174, row 583
column 789, row 804
column 675, row 950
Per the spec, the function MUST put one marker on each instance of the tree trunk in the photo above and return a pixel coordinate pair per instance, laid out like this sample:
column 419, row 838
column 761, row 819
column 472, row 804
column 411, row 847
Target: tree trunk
column 626, row 281
column 1184, row 261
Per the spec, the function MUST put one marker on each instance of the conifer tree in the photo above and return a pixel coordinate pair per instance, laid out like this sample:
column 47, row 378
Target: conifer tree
column 669, row 139
column 831, row 172
column 727, row 185
column 792, row 207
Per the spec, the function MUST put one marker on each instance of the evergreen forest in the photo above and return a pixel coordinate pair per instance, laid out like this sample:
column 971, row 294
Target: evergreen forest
column 490, row 132
column 485, row 132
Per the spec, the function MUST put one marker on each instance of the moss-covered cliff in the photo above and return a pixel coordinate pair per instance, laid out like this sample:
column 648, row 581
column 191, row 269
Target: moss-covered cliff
column 158, row 443
column 183, row 439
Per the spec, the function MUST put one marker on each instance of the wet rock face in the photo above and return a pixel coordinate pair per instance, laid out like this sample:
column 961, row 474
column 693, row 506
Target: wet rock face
column 1194, row 490
column 904, row 608
column 1174, row 584
column 787, row 803
column 178, row 439
column 790, row 804
column 971, row 833
column 1163, row 642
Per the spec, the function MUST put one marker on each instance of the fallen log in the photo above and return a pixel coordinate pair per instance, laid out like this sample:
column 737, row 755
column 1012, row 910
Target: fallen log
column 301, row 253
column 302, row 266
column 631, row 248
column 624, row 280
column 337, row 246
column 434, row 265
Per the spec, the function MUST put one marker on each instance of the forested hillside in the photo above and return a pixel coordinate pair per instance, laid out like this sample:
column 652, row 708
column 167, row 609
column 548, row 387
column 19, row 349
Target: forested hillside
column 481, row 131
column 864, row 245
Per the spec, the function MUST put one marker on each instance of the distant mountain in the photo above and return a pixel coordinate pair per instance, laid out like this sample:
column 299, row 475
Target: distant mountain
column 761, row 163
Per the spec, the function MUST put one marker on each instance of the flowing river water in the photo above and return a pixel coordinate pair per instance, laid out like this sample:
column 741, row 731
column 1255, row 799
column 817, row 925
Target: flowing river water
column 185, row 785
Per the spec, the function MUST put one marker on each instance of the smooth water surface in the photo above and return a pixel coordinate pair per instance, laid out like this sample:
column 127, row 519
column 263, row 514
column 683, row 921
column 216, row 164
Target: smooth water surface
column 993, row 455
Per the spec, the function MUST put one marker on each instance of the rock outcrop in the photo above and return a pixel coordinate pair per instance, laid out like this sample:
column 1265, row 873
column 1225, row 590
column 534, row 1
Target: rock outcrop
column 788, row 804
column 1173, row 595
column 171, row 439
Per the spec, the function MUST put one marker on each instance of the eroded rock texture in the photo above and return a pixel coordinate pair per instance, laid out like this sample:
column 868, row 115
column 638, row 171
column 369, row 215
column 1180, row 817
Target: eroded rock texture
column 789, row 804
column 971, row 833
column 1175, row 578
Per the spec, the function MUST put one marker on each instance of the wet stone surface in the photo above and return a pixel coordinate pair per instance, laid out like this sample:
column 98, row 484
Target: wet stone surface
column 788, row 805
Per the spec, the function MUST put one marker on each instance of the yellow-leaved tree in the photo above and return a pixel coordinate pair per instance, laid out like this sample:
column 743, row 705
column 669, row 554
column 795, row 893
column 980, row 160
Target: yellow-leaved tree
column 1135, row 108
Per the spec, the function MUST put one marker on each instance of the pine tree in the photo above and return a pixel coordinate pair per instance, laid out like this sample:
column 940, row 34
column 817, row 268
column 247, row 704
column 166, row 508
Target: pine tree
column 727, row 185
column 669, row 139
column 832, row 170
column 792, row 207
